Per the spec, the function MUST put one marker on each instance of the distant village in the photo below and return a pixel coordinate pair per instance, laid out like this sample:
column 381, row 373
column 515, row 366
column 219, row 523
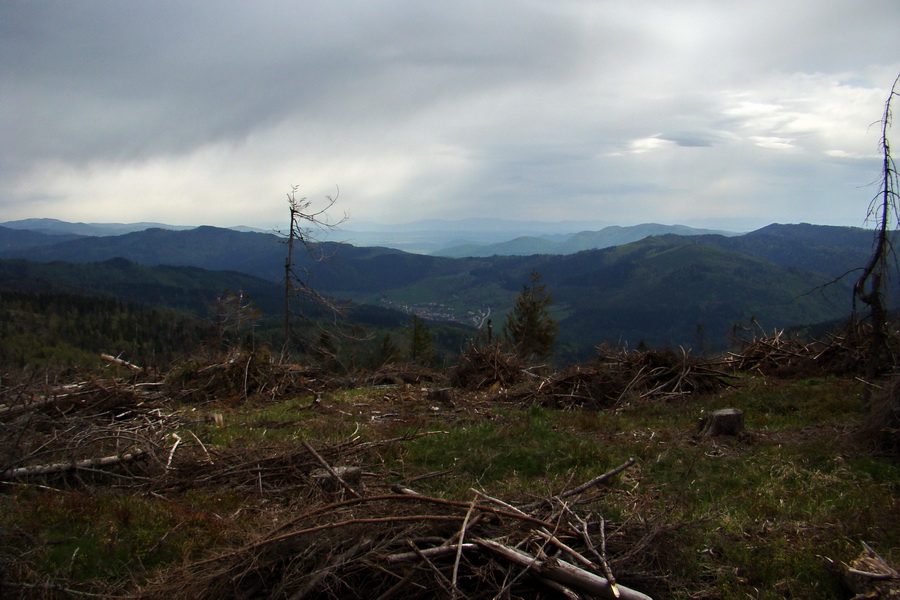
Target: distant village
column 435, row 311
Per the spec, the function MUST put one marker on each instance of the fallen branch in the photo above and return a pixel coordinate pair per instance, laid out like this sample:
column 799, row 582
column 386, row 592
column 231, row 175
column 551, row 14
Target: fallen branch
column 123, row 363
column 562, row 572
column 430, row 552
column 90, row 463
column 328, row 468
column 581, row 488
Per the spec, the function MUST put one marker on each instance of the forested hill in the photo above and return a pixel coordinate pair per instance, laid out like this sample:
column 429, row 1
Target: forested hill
column 822, row 249
column 666, row 290
column 205, row 247
column 17, row 240
column 39, row 329
column 187, row 289
column 829, row 250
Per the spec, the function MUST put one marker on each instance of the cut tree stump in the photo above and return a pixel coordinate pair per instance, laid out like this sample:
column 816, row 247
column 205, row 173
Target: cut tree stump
column 727, row 421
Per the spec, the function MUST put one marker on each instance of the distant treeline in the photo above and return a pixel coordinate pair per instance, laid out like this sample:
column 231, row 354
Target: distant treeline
column 60, row 330
column 44, row 329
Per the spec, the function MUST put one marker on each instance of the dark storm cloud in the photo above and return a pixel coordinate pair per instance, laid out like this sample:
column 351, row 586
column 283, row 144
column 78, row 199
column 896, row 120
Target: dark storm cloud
column 432, row 109
column 119, row 80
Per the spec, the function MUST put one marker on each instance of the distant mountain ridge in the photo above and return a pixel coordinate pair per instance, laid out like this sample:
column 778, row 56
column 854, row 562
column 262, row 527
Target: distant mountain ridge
column 662, row 290
column 614, row 235
column 455, row 239
column 57, row 227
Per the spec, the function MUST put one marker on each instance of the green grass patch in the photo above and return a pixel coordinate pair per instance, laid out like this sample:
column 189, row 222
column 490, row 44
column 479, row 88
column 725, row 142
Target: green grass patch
column 82, row 536
column 519, row 452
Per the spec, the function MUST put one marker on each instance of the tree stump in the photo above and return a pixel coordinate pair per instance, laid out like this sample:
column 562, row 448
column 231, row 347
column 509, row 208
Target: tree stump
column 727, row 421
column 443, row 395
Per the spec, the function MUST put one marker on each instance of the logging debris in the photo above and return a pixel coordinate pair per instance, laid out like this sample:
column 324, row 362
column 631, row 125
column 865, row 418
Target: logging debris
column 345, row 529
column 488, row 366
column 842, row 352
column 617, row 377
column 386, row 544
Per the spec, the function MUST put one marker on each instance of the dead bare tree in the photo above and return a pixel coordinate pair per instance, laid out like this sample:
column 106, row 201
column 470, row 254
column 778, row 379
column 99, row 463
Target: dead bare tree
column 870, row 287
column 305, row 220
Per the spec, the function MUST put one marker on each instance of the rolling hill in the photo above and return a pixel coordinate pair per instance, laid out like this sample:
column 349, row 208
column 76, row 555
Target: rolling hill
column 607, row 237
column 663, row 290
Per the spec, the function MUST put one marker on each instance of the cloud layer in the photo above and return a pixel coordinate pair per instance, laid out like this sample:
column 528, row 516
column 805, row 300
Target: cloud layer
column 698, row 112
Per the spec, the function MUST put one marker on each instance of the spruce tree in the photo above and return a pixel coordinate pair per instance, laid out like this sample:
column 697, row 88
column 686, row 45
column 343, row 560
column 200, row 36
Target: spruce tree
column 421, row 344
column 387, row 352
column 530, row 328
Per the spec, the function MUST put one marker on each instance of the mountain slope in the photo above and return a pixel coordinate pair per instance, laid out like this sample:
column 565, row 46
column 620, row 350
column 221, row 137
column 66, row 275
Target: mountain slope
column 57, row 227
column 660, row 290
column 832, row 251
column 613, row 235
column 683, row 294
column 14, row 240
column 205, row 247
column 189, row 289
column 664, row 290
column 184, row 288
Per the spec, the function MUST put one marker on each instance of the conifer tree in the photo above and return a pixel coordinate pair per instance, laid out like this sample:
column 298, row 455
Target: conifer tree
column 387, row 352
column 421, row 344
column 530, row 328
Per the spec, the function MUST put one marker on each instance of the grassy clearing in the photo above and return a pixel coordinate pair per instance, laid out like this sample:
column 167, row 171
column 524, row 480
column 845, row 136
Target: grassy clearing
column 759, row 511
column 765, row 508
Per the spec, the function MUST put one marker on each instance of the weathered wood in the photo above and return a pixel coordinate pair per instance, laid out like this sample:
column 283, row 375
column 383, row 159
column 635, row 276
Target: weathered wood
column 123, row 363
column 430, row 552
column 727, row 421
column 90, row 463
column 339, row 478
column 563, row 573
column 347, row 478
column 871, row 576
column 443, row 395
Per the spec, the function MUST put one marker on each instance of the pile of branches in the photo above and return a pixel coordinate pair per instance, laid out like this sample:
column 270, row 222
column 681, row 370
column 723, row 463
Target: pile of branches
column 401, row 544
column 240, row 375
column 96, row 428
column 102, row 431
column 486, row 366
column 843, row 352
column 399, row 374
column 620, row 376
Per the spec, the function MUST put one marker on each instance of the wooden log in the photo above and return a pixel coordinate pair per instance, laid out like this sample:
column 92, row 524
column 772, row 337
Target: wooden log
column 443, row 395
column 871, row 576
column 430, row 553
column 90, row 463
column 124, row 363
column 563, row 573
column 727, row 421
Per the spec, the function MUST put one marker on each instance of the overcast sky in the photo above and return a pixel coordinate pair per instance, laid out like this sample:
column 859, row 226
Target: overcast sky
column 731, row 114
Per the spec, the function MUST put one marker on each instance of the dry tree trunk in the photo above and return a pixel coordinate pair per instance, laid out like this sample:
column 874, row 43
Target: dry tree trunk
column 870, row 287
column 88, row 463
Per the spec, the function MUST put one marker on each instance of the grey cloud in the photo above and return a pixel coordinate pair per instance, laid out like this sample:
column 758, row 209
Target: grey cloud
column 134, row 79
column 535, row 98
column 692, row 139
